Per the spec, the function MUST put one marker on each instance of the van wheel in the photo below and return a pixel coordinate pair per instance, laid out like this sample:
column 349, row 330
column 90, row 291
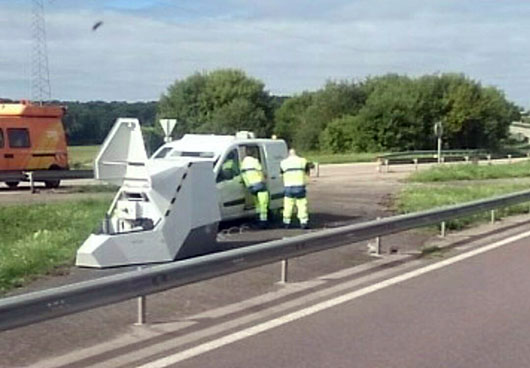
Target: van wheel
column 12, row 184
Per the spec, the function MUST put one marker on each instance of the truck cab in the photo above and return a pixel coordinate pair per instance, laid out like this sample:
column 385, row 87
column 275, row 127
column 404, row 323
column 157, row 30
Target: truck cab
column 31, row 138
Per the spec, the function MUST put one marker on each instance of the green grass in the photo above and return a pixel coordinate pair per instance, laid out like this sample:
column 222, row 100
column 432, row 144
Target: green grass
column 423, row 197
column 471, row 172
column 82, row 157
column 36, row 239
column 339, row 158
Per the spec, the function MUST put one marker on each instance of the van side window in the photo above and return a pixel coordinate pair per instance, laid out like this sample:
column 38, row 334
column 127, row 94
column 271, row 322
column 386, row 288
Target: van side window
column 1, row 138
column 229, row 167
column 255, row 150
column 18, row 138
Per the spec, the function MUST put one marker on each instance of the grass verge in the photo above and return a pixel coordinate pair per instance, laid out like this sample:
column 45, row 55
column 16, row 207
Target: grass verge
column 471, row 172
column 36, row 239
column 423, row 197
column 82, row 157
column 340, row 158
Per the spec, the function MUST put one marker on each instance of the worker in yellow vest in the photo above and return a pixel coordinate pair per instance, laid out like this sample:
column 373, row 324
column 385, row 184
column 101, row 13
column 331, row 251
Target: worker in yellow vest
column 295, row 170
column 254, row 180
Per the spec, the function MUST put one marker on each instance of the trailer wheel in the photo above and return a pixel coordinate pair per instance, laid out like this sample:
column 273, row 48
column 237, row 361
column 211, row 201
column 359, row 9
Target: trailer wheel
column 12, row 184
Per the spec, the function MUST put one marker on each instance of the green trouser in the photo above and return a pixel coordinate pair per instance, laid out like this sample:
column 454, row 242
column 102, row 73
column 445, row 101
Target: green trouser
column 261, row 201
column 301, row 207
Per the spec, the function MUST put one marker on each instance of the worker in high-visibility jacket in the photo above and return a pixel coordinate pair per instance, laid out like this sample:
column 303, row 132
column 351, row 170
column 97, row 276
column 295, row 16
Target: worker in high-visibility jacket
column 295, row 170
column 254, row 180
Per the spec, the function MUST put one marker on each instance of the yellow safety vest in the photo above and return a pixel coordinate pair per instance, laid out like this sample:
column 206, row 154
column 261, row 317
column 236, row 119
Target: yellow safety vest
column 251, row 171
column 294, row 171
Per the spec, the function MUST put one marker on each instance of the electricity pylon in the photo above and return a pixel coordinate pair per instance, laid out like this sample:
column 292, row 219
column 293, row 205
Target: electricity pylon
column 40, row 73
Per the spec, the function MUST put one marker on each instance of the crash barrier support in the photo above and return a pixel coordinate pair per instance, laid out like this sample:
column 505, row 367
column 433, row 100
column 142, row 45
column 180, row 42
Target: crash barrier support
column 46, row 304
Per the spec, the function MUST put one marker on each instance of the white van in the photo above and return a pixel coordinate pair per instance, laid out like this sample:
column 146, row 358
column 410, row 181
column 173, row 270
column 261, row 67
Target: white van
column 234, row 199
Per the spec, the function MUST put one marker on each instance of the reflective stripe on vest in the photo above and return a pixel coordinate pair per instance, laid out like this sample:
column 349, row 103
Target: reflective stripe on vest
column 293, row 170
column 251, row 171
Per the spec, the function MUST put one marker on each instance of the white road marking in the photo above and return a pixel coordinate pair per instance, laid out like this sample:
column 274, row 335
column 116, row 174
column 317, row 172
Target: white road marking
column 254, row 330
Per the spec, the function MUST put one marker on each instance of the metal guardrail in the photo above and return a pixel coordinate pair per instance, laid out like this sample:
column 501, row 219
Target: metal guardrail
column 461, row 153
column 41, row 175
column 38, row 306
column 386, row 162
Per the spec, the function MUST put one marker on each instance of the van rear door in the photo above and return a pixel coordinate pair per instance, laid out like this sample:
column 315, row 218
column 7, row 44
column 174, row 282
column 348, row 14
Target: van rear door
column 275, row 152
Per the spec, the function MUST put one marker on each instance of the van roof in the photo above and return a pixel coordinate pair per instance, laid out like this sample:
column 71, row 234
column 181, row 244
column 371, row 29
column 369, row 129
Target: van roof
column 216, row 144
column 27, row 109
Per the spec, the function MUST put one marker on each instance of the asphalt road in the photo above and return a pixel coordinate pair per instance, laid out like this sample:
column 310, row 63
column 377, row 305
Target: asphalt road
column 195, row 314
column 472, row 313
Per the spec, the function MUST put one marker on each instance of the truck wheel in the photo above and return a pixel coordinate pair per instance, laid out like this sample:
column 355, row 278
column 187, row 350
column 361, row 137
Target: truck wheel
column 52, row 183
column 12, row 184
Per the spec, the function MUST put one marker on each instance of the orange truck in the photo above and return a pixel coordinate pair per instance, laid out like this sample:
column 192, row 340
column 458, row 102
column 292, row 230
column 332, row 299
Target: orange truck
column 31, row 139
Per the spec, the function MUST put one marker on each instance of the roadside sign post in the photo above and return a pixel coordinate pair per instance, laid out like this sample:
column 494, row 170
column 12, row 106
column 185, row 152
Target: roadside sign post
column 168, row 125
column 438, row 131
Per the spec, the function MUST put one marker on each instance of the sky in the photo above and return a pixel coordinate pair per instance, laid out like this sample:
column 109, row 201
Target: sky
column 143, row 46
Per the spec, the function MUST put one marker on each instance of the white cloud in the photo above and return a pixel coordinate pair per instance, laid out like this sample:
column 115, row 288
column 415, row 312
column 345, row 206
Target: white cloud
column 291, row 46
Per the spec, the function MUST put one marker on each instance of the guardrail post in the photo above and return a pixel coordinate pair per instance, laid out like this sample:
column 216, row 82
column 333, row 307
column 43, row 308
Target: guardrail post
column 386, row 165
column 442, row 229
column 285, row 268
column 442, row 160
column 489, row 159
column 509, row 159
column 466, row 158
column 141, row 305
column 380, row 163
column 378, row 243
column 31, row 182
column 317, row 169
column 492, row 213
column 415, row 164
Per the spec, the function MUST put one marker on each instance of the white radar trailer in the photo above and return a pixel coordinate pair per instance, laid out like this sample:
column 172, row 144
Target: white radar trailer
column 169, row 206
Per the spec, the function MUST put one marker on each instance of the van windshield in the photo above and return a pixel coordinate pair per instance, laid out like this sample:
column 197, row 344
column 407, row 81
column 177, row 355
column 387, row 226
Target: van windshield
column 163, row 152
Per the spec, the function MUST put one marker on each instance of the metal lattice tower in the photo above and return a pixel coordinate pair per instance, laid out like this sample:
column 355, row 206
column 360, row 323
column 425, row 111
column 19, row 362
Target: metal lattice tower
column 40, row 74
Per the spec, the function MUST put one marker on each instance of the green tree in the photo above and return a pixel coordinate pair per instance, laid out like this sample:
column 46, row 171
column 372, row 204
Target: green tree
column 220, row 102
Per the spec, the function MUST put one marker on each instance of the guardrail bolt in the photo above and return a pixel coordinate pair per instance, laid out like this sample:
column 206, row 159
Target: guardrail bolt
column 285, row 268
column 442, row 229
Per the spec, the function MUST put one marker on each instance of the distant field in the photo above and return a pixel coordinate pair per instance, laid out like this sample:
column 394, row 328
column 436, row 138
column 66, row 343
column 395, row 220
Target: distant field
column 82, row 157
column 339, row 158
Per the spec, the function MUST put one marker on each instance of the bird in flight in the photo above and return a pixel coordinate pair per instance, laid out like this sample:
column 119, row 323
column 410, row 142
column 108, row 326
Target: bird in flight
column 97, row 25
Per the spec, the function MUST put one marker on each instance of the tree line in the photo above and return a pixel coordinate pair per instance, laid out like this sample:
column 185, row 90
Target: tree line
column 384, row 113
